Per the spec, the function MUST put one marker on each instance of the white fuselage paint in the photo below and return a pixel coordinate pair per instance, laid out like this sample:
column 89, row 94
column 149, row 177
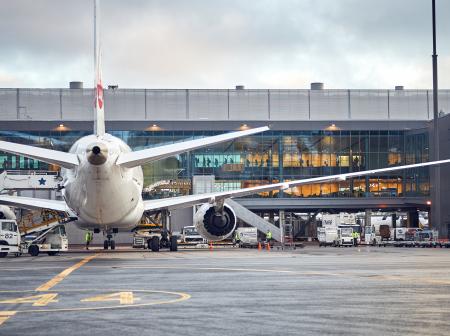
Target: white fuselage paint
column 105, row 196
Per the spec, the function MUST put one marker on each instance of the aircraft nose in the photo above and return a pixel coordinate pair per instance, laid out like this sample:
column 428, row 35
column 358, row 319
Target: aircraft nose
column 97, row 154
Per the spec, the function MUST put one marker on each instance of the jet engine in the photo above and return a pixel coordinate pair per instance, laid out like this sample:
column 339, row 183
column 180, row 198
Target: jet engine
column 214, row 224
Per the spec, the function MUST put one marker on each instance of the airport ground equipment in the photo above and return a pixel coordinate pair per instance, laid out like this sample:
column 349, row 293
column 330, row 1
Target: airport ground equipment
column 344, row 237
column 50, row 238
column 26, row 180
column 50, row 241
column 9, row 237
column 427, row 238
column 248, row 236
column 254, row 220
column 154, row 235
column 326, row 235
column 335, row 220
column 189, row 235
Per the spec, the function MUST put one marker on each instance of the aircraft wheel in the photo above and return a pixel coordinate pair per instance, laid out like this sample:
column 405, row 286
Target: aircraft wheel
column 105, row 245
column 113, row 244
column 173, row 244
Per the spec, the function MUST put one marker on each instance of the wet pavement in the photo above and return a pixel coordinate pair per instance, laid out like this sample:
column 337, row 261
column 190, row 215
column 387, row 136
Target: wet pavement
column 311, row 291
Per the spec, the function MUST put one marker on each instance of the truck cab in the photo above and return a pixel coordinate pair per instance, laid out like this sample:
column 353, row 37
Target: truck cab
column 9, row 237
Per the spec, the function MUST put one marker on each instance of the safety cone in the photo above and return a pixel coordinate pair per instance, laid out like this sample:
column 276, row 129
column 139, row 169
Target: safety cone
column 259, row 246
column 268, row 246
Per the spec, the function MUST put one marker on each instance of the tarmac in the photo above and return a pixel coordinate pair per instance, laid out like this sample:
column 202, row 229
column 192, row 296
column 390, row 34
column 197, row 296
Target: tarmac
column 228, row 291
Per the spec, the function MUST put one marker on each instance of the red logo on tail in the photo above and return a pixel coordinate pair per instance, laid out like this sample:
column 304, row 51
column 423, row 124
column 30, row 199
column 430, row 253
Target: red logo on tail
column 100, row 95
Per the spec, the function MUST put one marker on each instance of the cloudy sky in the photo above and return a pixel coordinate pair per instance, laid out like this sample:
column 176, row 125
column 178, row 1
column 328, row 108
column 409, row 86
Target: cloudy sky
column 221, row 43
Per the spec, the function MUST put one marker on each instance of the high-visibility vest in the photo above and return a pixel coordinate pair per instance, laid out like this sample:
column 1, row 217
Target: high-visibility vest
column 269, row 235
column 88, row 236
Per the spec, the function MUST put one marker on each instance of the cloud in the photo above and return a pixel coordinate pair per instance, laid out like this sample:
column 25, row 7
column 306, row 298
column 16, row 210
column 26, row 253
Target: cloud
column 218, row 44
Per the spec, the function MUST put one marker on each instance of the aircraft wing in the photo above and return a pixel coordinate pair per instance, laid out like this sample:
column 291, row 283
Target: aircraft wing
column 190, row 200
column 138, row 158
column 33, row 203
column 62, row 159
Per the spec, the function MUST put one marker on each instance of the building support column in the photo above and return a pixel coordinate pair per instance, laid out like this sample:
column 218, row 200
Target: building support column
column 394, row 224
column 282, row 221
column 368, row 218
column 413, row 219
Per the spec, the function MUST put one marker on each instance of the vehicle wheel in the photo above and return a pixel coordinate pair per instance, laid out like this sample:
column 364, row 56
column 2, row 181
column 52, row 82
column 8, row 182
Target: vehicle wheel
column 153, row 244
column 3, row 254
column 33, row 250
column 105, row 245
column 52, row 253
column 174, row 244
column 113, row 244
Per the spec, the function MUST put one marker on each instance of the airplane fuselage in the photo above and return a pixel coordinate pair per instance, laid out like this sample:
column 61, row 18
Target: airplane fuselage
column 103, row 194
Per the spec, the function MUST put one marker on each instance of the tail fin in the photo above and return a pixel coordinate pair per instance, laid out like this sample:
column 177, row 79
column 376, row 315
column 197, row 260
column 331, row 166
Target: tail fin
column 99, row 112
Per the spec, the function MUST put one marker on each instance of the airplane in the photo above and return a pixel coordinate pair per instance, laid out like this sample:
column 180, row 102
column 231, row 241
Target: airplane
column 103, row 180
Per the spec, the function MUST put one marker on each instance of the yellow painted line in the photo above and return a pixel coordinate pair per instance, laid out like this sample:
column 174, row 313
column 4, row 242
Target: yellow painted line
column 61, row 276
column 5, row 315
column 180, row 296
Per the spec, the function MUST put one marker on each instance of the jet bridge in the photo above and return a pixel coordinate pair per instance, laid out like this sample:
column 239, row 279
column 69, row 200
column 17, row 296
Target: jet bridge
column 254, row 220
column 29, row 180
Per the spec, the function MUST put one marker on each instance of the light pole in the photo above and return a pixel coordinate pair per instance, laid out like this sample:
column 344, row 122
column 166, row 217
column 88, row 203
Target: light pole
column 436, row 213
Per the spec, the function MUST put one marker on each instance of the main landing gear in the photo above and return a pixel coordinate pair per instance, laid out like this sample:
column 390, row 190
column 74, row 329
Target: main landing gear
column 109, row 242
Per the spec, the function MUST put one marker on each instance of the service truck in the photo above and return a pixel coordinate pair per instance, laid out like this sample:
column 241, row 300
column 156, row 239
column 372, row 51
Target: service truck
column 50, row 241
column 326, row 235
column 344, row 236
column 427, row 238
column 189, row 235
column 248, row 236
column 9, row 238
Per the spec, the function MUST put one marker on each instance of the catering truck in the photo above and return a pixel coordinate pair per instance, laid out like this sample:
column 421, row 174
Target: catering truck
column 326, row 235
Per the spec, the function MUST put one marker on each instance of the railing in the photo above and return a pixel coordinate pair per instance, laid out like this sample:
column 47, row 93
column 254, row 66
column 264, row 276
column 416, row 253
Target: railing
column 192, row 104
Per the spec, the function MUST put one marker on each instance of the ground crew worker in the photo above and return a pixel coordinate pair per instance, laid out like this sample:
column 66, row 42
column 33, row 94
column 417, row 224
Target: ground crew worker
column 268, row 237
column 88, row 237
column 356, row 238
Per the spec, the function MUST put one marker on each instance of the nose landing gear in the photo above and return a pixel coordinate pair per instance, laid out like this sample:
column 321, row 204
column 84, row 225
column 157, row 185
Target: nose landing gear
column 109, row 242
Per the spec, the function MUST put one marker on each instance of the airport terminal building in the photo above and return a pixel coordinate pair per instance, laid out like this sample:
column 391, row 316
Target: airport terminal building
column 313, row 132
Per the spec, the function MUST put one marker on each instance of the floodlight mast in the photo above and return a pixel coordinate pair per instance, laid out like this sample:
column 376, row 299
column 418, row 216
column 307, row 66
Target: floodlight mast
column 436, row 214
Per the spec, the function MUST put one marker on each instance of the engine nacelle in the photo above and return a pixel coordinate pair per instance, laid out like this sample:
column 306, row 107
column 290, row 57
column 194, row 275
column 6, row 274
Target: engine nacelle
column 214, row 225
column 6, row 212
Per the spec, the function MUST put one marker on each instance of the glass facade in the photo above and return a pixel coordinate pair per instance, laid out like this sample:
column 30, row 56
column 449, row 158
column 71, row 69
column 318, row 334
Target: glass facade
column 269, row 157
